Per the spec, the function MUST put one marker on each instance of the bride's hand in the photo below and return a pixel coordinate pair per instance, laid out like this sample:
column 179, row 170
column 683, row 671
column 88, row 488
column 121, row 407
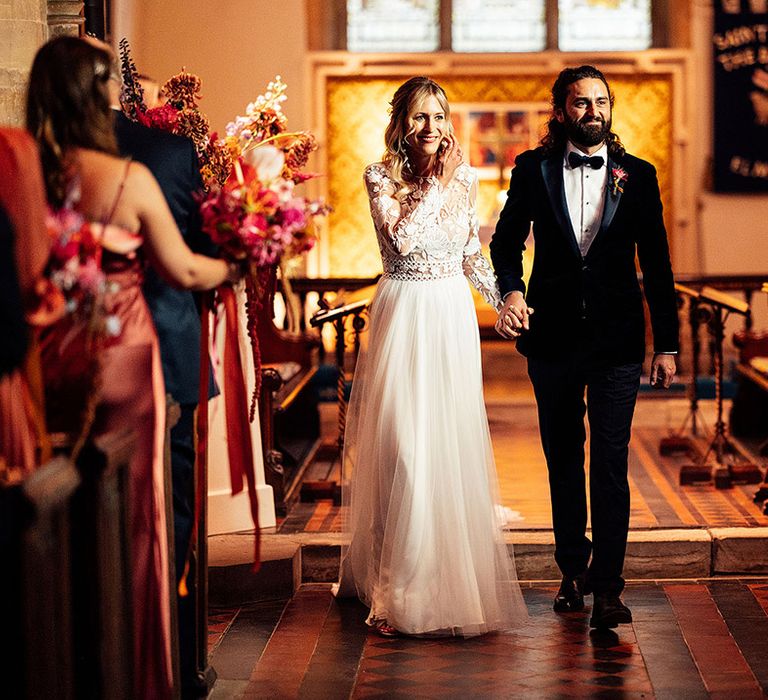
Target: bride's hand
column 449, row 158
column 513, row 316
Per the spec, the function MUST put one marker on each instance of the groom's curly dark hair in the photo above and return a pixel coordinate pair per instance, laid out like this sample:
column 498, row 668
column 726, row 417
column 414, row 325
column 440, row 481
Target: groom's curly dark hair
column 555, row 138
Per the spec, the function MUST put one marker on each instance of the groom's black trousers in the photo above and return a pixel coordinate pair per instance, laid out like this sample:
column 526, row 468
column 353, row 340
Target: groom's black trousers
column 611, row 392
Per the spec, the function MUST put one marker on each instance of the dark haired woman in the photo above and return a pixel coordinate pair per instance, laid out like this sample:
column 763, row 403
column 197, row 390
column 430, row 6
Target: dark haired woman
column 427, row 553
column 68, row 112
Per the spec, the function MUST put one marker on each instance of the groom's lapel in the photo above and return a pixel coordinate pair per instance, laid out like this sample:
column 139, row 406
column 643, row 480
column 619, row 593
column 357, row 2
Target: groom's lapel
column 612, row 199
column 552, row 171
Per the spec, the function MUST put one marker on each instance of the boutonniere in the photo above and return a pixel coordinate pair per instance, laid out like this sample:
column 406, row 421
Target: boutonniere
column 620, row 176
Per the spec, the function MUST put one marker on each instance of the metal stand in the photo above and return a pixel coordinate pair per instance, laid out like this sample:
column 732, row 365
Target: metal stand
column 726, row 469
column 678, row 443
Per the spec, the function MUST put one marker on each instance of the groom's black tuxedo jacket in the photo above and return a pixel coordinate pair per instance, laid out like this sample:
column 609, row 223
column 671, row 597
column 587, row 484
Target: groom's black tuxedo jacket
column 173, row 161
column 596, row 297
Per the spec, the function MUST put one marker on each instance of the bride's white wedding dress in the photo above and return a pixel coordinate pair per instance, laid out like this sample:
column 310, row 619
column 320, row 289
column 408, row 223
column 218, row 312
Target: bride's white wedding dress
column 426, row 553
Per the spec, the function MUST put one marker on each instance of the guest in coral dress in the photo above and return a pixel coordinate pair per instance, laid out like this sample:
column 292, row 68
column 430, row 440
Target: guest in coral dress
column 22, row 196
column 68, row 112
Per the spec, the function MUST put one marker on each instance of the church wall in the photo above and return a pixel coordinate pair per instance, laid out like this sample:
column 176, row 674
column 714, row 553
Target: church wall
column 23, row 28
column 732, row 229
column 235, row 47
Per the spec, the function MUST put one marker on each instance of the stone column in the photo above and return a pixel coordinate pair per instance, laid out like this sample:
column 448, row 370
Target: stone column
column 65, row 18
column 24, row 26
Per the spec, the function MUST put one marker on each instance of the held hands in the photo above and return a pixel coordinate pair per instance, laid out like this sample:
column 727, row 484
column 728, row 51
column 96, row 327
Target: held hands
column 662, row 371
column 513, row 317
column 449, row 158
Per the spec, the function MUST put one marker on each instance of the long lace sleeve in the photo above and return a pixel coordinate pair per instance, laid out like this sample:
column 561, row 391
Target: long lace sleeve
column 477, row 269
column 406, row 228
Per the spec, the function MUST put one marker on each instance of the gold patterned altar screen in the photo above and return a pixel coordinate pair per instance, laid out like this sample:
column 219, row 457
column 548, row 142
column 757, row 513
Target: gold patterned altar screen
column 356, row 116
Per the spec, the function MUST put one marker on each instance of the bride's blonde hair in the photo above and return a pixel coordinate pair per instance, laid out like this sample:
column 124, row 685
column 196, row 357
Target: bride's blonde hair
column 406, row 102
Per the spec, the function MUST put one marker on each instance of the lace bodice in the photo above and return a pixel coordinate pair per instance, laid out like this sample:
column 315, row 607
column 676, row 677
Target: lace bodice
column 433, row 233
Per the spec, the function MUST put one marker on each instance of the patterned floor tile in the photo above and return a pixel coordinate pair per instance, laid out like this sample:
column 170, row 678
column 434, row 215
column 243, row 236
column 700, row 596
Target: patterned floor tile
column 697, row 639
column 658, row 500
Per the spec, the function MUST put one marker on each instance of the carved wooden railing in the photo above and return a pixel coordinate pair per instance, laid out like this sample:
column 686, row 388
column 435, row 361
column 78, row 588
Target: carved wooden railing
column 697, row 358
column 707, row 301
column 288, row 411
column 745, row 286
column 315, row 293
column 348, row 319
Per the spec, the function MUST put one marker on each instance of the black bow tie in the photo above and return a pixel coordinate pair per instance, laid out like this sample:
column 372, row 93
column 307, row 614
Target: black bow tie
column 576, row 160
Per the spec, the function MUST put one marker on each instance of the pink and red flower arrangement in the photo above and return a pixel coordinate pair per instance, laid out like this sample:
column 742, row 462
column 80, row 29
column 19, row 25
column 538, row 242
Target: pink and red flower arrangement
column 75, row 270
column 250, row 209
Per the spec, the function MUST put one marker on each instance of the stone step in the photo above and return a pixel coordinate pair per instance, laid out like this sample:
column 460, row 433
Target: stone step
column 290, row 560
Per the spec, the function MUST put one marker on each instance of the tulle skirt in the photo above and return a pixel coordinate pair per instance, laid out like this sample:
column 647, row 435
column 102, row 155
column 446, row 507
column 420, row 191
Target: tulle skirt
column 426, row 552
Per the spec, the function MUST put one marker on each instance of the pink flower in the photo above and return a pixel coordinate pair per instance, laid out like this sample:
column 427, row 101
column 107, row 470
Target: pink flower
column 257, row 222
column 620, row 176
column 293, row 217
column 90, row 276
column 267, row 198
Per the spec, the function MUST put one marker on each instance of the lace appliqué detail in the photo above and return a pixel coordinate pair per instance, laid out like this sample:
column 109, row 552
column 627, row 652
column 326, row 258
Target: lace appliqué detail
column 409, row 269
column 432, row 233
column 476, row 267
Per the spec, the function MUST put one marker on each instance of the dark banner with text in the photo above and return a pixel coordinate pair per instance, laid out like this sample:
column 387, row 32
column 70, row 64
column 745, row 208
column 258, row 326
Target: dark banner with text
column 741, row 95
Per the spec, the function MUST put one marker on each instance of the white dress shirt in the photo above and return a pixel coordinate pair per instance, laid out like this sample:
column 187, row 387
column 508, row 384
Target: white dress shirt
column 585, row 195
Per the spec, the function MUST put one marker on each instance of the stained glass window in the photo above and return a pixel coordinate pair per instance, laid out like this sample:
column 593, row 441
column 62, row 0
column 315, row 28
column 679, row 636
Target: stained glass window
column 393, row 25
column 604, row 25
column 498, row 25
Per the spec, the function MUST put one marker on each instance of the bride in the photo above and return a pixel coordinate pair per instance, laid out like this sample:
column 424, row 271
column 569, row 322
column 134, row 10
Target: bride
column 427, row 554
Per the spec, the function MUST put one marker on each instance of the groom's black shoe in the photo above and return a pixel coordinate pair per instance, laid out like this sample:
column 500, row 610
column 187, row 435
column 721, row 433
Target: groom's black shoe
column 608, row 612
column 570, row 596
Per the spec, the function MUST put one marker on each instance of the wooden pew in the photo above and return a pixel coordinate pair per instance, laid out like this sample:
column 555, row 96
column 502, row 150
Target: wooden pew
column 102, row 569
column 288, row 405
column 66, row 539
column 749, row 406
column 49, row 638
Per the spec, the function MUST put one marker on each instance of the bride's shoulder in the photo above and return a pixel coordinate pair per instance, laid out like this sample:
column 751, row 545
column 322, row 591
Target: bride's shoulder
column 376, row 170
column 376, row 176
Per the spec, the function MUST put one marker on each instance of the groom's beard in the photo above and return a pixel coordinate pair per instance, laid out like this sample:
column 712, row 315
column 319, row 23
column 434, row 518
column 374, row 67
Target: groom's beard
column 587, row 131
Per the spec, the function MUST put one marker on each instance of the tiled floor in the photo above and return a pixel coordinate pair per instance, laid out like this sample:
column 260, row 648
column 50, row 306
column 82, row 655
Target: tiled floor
column 658, row 500
column 689, row 639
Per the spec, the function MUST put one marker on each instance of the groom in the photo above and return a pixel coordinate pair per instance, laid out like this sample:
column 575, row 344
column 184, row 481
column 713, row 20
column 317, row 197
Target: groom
column 593, row 207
